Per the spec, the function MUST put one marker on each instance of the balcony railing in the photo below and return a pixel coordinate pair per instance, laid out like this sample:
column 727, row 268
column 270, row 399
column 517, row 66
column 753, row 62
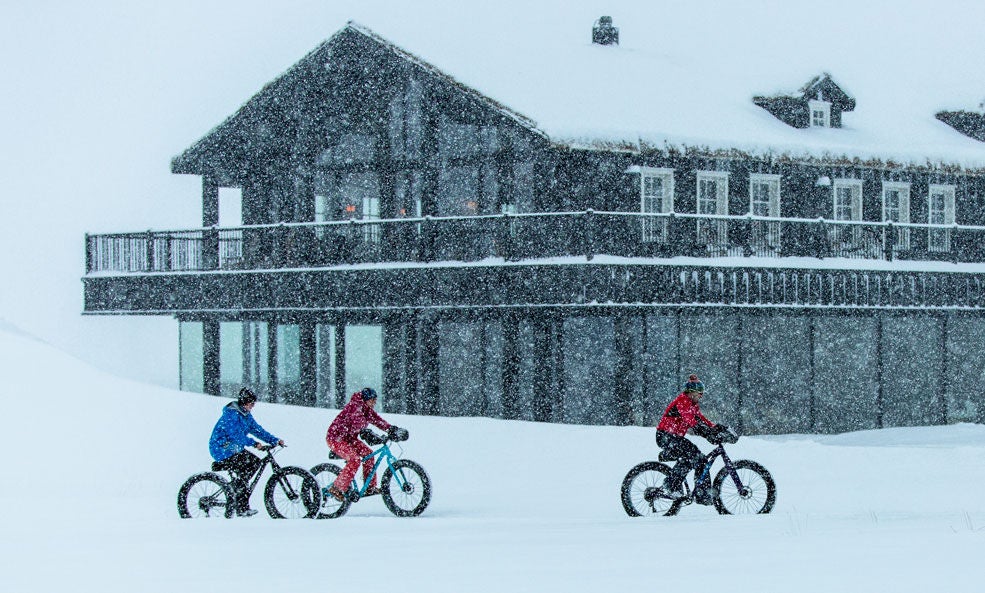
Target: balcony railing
column 514, row 237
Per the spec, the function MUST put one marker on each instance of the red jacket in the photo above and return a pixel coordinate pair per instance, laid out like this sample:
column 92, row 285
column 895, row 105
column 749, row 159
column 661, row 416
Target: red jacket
column 352, row 418
column 682, row 415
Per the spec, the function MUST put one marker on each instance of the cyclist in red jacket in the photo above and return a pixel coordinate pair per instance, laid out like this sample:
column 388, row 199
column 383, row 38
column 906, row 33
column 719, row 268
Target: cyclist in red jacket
column 343, row 439
column 683, row 414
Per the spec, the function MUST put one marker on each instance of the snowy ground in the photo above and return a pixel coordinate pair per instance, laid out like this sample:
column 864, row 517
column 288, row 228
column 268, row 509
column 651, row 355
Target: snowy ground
column 95, row 463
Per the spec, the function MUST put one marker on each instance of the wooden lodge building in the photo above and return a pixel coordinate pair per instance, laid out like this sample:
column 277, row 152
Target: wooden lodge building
column 399, row 219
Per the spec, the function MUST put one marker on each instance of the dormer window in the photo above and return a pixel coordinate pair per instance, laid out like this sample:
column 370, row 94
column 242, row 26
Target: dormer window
column 820, row 114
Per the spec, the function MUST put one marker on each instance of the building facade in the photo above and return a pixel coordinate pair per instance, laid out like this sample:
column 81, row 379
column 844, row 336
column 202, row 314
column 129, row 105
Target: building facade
column 403, row 230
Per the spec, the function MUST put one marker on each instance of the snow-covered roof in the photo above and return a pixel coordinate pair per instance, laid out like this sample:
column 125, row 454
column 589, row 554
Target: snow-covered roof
column 684, row 74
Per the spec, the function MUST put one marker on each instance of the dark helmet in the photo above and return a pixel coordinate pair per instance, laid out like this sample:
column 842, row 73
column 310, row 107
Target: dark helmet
column 246, row 397
column 368, row 393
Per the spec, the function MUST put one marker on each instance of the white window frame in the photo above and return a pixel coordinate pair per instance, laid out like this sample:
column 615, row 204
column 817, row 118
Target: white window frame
column 773, row 183
column 839, row 235
column 856, row 205
column 712, row 232
column 321, row 213
column 940, row 239
column 371, row 211
column 765, row 234
column 902, row 210
column 656, row 229
column 815, row 107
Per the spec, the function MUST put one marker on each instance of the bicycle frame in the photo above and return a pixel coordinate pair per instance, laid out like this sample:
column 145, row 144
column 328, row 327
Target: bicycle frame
column 384, row 454
column 710, row 458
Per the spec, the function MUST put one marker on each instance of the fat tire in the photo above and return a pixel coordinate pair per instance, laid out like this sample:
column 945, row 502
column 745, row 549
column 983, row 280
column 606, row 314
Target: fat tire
column 395, row 498
column 761, row 499
column 201, row 486
column 649, row 474
column 331, row 508
column 278, row 502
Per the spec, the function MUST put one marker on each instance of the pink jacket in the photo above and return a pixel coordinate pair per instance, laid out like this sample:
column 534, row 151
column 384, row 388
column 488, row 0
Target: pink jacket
column 352, row 418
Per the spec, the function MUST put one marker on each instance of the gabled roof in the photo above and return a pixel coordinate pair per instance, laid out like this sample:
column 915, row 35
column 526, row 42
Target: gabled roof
column 822, row 88
column 665, row 86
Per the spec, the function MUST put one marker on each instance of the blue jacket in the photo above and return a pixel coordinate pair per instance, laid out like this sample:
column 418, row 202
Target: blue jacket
column 229, row 436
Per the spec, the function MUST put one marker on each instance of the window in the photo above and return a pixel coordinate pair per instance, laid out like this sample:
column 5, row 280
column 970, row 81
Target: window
column 941, row 203
column 847, row 199
column 656, row 197
column 371, row 211
column 764, row 200
column 896, row 208
column 347, row 196
column 820, row 114
column 712, row 198
column 321, row 213
column 847, row 206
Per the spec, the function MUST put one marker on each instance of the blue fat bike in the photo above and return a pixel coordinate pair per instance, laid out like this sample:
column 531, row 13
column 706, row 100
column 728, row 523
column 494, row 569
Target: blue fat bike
column 404, row 486
column 741, row 487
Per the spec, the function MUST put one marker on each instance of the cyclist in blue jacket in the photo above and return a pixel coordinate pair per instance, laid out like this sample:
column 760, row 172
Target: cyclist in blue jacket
column 228, row 443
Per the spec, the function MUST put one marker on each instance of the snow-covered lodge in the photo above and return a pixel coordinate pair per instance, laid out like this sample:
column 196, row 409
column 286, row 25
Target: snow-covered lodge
column 564, row 232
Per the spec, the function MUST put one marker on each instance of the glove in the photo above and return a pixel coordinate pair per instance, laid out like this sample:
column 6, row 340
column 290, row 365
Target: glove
column 370, row 437
column 397, row 434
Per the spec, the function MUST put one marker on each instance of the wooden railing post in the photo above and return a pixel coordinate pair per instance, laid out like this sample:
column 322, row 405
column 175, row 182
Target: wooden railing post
column 89, row 251
column 588, row 234
column 746, row 236
column 889, row 243
column 506, row 237
column 149, row 250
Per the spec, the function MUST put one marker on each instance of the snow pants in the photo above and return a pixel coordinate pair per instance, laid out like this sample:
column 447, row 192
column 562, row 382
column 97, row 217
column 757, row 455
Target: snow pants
column 353, row 452
column 242, row 466
column 688, row 456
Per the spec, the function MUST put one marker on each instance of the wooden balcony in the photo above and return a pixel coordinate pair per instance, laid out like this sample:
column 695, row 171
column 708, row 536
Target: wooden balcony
column 517, row 237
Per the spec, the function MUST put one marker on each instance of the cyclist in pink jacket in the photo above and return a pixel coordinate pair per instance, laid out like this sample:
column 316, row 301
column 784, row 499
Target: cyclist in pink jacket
column 343, row 439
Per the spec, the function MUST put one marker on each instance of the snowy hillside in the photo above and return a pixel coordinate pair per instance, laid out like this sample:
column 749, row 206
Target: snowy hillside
column 96, row 461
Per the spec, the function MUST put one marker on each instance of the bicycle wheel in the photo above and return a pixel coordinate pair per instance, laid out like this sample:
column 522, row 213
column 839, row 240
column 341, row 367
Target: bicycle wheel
column 292, row 493
column 406, row 489
column 205, row 495
column 756, row 495
column 325, row 474
column 639, row 492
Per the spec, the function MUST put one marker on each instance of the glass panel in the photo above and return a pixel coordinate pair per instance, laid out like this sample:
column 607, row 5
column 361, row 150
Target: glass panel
column 775, row 374
column 288, row 363
column 325, row 366
column 655, row 199
column 351, row 148
column 589, row 364
column 364, row 360
column 966, row 367
column 255, row 358
column 458, row 191
column 191, row 376
column 457, row 140
column 230, row 358
column 708, row 344
column 911, row 371
column 523, row 186
column 707, row 196
column 461, row 383
column 845, row 369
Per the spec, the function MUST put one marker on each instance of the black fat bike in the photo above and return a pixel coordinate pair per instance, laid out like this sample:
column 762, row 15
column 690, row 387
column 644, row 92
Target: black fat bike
column 291, row 492
column 741, row 487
